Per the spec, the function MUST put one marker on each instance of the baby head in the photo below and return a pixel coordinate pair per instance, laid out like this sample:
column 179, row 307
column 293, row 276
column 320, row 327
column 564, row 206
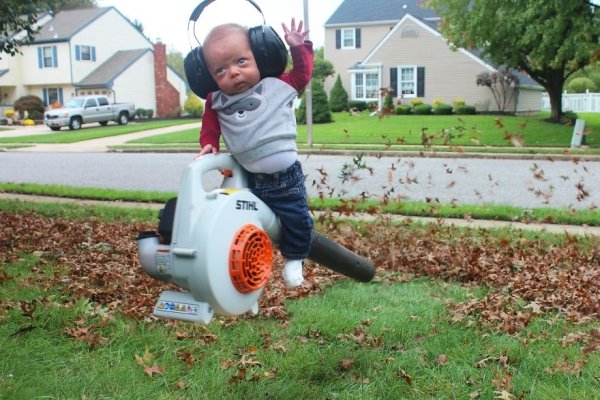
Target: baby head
column 229, row 58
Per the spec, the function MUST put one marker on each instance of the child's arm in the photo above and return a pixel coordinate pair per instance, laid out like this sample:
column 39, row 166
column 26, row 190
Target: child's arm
column 210, row 132
column 302, row 56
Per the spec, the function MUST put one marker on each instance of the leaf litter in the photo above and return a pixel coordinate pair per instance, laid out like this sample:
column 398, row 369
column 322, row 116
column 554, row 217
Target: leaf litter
column 526, row 278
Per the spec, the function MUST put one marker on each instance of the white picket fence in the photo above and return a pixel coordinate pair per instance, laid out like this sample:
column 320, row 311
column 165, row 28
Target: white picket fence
column 577, row 102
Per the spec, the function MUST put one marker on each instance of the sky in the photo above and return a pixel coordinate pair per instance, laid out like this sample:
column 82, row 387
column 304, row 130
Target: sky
column 168, row 20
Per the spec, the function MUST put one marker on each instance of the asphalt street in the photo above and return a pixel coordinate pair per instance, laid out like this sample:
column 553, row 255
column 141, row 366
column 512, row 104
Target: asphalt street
column 524, row 183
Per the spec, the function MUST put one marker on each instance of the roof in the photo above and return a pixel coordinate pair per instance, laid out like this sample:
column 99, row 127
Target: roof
column 66, row 24
column 105, row 74
column 379, row 11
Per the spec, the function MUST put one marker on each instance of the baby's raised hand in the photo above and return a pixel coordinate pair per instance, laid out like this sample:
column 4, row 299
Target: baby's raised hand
column 294, row 36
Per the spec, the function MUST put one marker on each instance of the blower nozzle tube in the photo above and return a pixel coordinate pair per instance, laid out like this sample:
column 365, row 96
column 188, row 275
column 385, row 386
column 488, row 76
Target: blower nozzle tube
column 332, row 255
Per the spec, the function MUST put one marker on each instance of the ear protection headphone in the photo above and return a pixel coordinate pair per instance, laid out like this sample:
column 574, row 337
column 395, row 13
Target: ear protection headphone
column 267, row 47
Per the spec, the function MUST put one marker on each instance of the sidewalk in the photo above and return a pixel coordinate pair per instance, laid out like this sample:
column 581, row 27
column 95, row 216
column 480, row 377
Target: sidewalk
column 94, row 145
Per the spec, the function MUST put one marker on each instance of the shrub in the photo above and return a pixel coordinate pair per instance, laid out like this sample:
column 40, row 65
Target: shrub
column 580, row 85
column 422, row 109
column 569, row 118
column 465, row 109
column 338, row 97
column 416, row 102
column 31, row 104
column 403, row 110
column 458, row 102
column 442, row 109
column 388, row 101
column 320, row 105
column 437, row 102
column 194, row 106
column 9, row 112
column 358, row 104
column 143, row 113
column 28, row 122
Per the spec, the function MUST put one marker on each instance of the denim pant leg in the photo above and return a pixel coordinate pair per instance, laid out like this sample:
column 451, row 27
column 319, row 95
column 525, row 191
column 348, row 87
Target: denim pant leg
column 284, row 192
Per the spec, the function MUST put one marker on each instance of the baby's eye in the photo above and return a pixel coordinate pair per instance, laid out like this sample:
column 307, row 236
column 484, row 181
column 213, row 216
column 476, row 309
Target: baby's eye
column 220, row 70
column 242, row 61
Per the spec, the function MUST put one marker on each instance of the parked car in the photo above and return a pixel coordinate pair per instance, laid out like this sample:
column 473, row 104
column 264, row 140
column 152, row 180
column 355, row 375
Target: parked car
column 85, row 109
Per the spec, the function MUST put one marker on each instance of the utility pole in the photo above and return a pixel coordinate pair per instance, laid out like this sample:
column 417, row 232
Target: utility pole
column 308, row 90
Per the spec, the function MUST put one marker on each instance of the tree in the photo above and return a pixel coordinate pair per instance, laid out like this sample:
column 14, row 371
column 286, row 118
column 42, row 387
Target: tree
column 338, row 97
column 548, row 39
column 21, row 16
column 320, row 105
column 322, row 68
column 61, row 5
column 175, row 61
column 503, row 85
column 17, row 16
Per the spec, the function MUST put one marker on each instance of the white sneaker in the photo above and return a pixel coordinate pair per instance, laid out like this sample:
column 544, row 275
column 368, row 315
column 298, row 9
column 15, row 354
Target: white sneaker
column 292, row 273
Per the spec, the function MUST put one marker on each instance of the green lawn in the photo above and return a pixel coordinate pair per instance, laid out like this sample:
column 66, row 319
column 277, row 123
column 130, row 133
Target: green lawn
column 93, row 131
column 467, row 130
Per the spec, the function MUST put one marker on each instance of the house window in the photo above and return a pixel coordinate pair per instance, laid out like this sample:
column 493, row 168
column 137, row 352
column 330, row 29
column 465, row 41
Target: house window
column 47, row 57
column 85, row 53
column 366, row 86
column 53, row 96
column 348, row 38
column 408, row 81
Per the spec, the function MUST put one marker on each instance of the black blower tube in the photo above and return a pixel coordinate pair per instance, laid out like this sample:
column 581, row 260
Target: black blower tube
column 332, row 255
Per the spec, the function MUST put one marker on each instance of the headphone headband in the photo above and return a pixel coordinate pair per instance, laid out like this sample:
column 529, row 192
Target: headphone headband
column 198, row 10
column 267, row 47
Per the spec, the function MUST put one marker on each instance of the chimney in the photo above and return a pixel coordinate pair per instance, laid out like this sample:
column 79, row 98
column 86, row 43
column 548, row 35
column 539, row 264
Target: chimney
column 167, row 97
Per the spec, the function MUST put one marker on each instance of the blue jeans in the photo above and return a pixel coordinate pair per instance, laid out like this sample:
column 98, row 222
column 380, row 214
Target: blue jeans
column 284, row 192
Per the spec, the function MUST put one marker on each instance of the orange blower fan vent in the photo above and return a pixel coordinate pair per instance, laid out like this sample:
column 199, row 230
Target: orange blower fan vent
column 250, row 259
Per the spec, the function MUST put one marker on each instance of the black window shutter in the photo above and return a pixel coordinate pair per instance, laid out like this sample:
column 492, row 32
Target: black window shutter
column 420, row 81
column 394, row 81
column 338, row 38
column 357, row 38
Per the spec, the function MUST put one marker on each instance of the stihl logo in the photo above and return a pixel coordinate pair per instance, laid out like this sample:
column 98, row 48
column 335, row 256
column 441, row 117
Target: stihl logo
column 246, row 205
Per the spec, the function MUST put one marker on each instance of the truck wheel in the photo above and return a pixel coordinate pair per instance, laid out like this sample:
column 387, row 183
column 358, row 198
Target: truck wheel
column 103, row 123
column 75, row 123
column 55, row 128
column 123, row 118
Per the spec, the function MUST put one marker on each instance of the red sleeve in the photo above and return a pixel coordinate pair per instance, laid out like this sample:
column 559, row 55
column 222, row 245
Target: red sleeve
column 301, row 72
column 210, row 132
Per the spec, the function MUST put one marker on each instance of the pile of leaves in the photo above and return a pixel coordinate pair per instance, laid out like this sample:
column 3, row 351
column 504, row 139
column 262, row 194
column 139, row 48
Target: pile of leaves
column 525, row 277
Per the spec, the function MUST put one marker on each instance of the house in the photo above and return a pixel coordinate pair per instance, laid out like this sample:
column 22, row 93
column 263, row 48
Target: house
column 93, row 51
column 396, row 44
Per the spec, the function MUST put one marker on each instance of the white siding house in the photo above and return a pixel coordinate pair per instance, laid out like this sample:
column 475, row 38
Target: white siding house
column 92, row 51
column 396, row 44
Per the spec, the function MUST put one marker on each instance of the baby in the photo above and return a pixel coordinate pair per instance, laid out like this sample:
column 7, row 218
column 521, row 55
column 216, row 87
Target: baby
column 257, row 122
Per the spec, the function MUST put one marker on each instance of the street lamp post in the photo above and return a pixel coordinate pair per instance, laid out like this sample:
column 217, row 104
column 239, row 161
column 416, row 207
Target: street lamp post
column 308, row 90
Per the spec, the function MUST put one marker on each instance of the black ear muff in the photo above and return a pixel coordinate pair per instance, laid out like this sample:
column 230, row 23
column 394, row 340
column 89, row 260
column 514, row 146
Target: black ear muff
column 198, row 76
column 268, row 49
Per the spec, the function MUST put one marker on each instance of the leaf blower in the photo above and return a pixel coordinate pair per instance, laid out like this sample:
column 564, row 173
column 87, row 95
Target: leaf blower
column 218, row 246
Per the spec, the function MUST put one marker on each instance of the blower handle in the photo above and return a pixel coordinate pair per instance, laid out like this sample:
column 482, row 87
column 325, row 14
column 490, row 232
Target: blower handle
column 332, row 255
column 220, row 162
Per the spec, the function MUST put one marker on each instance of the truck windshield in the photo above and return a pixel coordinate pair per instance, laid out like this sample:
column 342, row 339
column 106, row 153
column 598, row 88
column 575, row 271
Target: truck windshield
column 74, row 103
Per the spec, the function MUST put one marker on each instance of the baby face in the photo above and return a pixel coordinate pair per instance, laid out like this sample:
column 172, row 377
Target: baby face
column 231, row 62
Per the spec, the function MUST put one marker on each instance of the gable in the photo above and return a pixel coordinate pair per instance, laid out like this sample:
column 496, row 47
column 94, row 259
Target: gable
column 67, row 23
column 412, row 32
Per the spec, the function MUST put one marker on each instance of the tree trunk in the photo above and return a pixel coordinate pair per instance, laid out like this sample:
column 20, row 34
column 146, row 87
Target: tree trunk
column 555, row 86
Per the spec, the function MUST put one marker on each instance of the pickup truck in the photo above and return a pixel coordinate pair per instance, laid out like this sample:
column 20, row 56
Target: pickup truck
column 85, row 109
